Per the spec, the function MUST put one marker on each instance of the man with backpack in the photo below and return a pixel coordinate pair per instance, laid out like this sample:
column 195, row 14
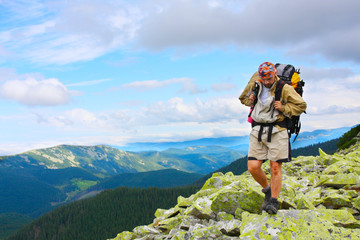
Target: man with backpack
column 272, row 107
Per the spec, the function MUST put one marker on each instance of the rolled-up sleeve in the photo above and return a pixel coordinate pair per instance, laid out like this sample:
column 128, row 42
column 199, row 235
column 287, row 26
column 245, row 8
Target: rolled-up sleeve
column 294, row 103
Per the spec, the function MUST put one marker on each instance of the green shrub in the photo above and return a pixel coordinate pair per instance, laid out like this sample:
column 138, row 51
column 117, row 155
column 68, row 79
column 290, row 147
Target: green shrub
column 348, row 138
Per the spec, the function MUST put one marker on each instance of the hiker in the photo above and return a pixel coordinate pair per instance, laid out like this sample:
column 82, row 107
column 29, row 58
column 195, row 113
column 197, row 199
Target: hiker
column 269, row 138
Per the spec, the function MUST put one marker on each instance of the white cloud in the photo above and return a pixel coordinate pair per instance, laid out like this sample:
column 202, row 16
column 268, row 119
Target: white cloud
column 330, row 74
column 341, row 44
column 175, row 110
column 131, row 103
column 324, row 98
column 21, row 11
column 187, row 85
column 7, row 73
column 89, row 83
column 173, row 120
column 82, row 120
column 209, row 111
column 224, row 86
column 203, row 24
column 298, row 27
column 127, row 61
column 333, row 97
column 177, row 119
column 192, row 88
column 151, row 84
column 4, row 52
column 353, row 80
column 34, row 92
column 331, row 120
column 74, row 31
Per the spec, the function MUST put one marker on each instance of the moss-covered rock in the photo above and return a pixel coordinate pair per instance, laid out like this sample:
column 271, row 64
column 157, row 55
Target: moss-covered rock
column 335, row 201
column 189, row 221
column 168, row 224
column 332, row 170
column 210, row 232
column 216, row 181
column 340, row 180
column 183, row 202
column 144, row 230
column 200, row 209
column 356, row 203
column 303, row 202
column 163, row 213
column 228, row 201
column 319, row 199
column 298, row 224
column 125, row 236
column 340, row 218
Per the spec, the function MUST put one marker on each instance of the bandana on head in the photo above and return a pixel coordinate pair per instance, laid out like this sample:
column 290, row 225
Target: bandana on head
column 267, row 69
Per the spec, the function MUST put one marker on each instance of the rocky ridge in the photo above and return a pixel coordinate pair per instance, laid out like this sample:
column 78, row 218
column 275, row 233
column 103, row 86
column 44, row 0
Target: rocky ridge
column 104, row 160
column 319, row 200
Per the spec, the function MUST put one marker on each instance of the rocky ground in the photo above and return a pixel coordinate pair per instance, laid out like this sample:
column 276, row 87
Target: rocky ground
column 319, row 200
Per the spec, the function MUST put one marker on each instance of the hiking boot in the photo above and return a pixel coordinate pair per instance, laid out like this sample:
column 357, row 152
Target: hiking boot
column 273, row 206
column 267, row 192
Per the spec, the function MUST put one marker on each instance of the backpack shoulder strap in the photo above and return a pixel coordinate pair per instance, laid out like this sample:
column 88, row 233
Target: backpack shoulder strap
column 256, row 91
column 279, row 86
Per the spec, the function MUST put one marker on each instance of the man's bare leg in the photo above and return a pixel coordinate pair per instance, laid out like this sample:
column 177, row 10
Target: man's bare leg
column 254, row 167
column 276, row 179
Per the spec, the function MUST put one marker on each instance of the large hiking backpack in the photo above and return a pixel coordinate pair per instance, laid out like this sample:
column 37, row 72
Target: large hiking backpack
column 289, row 75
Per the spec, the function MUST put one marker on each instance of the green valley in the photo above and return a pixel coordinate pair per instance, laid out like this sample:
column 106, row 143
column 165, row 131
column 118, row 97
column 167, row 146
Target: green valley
column 36, row 182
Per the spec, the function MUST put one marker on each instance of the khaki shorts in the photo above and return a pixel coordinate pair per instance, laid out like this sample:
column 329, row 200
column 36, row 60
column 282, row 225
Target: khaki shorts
column 276, row 150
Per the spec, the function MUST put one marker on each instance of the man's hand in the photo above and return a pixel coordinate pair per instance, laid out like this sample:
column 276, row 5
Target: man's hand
column 279, row 106
column 252, row 97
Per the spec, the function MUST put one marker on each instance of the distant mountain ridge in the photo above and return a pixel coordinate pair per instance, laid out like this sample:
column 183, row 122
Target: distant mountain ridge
column 239, row 143
column 318, row 136
column 36, row 181
column 108, row 161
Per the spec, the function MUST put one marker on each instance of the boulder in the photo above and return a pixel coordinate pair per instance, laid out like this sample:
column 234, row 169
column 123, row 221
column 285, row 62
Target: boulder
column 299, row 224
column 319, row 200
column 200, row 209
column 340, row 180
column 228, row 201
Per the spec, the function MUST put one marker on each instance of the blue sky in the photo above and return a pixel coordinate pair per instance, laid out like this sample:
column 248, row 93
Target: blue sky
column 114, row 72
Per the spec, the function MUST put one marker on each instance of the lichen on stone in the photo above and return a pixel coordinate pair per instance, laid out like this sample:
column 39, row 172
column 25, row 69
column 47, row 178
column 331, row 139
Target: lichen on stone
column 319, row 200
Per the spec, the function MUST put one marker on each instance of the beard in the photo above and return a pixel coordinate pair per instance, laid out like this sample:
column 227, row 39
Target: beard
column 268, row 85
